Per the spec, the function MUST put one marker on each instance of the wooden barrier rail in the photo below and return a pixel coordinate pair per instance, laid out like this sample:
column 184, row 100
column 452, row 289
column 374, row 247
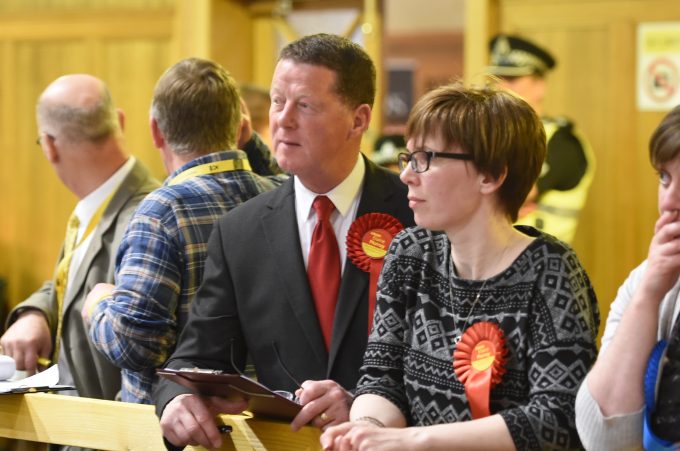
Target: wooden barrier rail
column 109, row 425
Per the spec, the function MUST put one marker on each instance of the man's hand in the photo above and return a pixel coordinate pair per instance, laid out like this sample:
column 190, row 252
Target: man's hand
column 190, row 419
column 325, row 403
column 27, row 339
column 94, row 297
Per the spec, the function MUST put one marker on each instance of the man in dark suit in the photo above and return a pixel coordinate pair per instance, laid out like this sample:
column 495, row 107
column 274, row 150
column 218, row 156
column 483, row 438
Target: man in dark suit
column 81, row 134
column 256, row 297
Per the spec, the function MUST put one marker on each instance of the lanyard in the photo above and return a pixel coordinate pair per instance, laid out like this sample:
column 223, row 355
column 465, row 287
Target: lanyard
column 94, row 221
column 239, row 164
column 96, row 218
column 61, row 277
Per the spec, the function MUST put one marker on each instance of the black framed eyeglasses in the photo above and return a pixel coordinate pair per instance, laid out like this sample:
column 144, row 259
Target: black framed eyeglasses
column 420, row 159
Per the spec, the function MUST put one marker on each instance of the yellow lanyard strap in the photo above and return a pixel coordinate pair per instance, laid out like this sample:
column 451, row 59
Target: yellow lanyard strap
column 61, row 277
column 240, row 164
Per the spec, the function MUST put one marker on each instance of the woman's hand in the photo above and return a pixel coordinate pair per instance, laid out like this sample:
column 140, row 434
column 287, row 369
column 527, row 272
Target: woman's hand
column 663, row 267
column 363, row 435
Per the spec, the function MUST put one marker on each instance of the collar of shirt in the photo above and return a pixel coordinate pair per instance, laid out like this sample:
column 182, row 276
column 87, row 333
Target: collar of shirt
column 345, row 197
column 88, row 205
column 208, row 158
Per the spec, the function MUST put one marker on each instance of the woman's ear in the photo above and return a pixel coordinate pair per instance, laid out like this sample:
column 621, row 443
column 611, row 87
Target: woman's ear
column 490, row 184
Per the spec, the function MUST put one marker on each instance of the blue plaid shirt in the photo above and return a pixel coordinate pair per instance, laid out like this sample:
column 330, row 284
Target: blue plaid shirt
column 159, row 267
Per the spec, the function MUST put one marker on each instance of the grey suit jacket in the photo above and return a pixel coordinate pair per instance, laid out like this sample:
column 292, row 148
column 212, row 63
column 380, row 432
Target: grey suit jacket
column 94, row 376
column 255, row 296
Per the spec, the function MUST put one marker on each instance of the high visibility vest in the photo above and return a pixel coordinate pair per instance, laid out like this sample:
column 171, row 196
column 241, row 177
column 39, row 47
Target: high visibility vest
column 557, row 212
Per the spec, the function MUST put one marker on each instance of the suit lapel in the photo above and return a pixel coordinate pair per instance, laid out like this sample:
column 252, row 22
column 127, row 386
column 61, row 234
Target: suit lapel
column 354, row 286
column 282, row 238
column 123, row 193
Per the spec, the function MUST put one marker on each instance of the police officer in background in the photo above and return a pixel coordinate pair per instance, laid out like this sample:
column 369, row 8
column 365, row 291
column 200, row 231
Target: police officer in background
column 562, row 188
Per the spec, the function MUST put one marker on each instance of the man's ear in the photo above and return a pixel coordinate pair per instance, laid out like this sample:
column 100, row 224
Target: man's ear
column 50, row 149
column 156, row 134
column 362, row 118
column 121, row 119
column 489, row 184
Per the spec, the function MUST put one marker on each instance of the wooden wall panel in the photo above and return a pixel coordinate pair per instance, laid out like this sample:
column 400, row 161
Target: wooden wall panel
column 131, row 69
column 36, row 203
column 594, row 84
column 232, row 41
column 23, row 5
column 40, row 203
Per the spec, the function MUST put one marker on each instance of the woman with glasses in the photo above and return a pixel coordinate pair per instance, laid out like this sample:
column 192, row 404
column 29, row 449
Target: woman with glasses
column 482, row 331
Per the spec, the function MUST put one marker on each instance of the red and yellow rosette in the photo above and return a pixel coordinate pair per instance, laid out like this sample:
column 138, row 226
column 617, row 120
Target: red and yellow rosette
column 478, row 362
column 368, row 239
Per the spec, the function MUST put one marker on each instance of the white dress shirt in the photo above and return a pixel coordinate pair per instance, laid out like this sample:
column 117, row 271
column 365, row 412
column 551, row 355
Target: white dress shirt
column 345, row 197
column 85, row 210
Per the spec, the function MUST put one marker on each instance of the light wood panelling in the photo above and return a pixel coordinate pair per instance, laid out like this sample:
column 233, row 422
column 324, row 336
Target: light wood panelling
column 113, row 24
column 131, row 68
column 39, row 203
column 594, row 84
column 99, row 424
column 265, row 50
column 127, row 49
column 232, row 39
column 481, row 22
column 32, row 5
column 191, row 17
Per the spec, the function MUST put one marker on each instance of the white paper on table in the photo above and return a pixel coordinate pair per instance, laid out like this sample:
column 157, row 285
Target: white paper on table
column 43, row 381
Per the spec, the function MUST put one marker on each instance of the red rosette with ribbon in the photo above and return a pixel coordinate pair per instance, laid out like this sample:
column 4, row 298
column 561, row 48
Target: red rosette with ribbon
column 368, row 240
column 478, row 362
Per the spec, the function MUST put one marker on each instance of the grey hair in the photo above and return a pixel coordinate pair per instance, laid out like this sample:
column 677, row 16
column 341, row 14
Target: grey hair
column 81, row 124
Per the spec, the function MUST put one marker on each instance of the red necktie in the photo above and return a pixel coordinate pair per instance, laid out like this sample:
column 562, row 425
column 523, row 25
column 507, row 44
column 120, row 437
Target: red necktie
column 323, row 267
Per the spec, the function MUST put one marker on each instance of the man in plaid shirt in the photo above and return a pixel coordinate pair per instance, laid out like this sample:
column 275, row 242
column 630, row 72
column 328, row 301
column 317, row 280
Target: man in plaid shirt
column 195, row 119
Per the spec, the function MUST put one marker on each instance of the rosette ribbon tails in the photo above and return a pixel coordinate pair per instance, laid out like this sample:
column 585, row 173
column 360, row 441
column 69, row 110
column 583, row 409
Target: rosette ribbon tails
column 650, row 440
column 478, row 362
column 368, row 240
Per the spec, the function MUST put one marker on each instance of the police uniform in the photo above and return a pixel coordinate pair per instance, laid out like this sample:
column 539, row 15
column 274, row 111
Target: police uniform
column 570, row 163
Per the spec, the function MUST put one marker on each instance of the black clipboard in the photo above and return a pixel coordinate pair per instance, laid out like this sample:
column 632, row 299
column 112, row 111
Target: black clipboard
column 261, row 400
column 40, row 389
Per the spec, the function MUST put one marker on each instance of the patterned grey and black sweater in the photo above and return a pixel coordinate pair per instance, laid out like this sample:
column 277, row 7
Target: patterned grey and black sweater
column 544, row 304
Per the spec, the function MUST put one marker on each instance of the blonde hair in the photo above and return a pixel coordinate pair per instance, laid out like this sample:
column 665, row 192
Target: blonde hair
column 197, row 106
